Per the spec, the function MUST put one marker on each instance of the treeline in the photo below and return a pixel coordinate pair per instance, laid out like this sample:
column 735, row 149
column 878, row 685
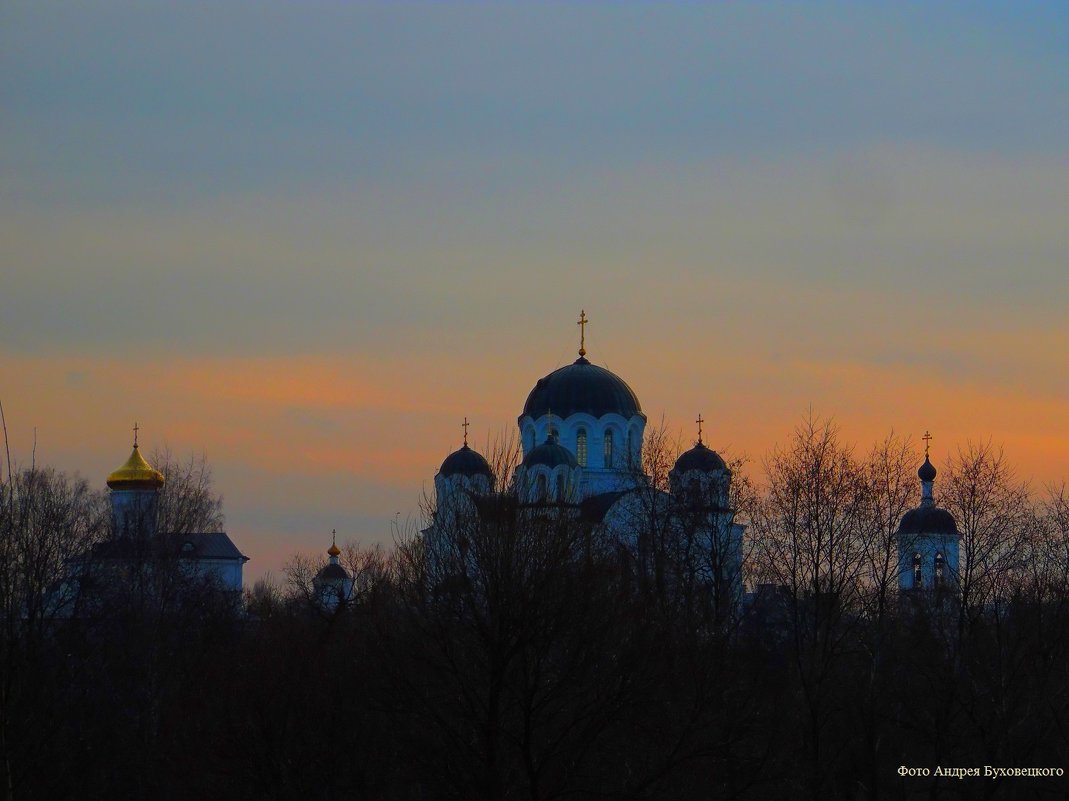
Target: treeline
column 536, row 657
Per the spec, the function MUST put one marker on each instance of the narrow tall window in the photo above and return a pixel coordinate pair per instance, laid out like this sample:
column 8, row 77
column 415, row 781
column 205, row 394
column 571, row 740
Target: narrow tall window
column 542, row 490
column 560, row 488
column 939, row 569
column 609, row 443
column 580, row 447
column 916, row 571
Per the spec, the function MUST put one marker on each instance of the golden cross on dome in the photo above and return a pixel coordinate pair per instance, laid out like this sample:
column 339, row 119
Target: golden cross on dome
column 927, row 441
column 136, row 429
column 464, row 425
column 334, row 537
column 582, row 331
column 699, row 421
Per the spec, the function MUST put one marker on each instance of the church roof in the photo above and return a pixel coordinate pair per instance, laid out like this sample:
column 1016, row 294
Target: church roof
column 465, row 462
column 332, row 572
column 550, row 454
column 581, row 387
column 928, row 520
column 700, row 458
column 211, row 545
column 594, row 508
column 135, row 473
column 214, row 545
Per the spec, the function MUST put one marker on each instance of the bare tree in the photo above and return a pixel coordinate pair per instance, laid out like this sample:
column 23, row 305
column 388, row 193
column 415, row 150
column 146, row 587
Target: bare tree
column 189, row 502
column 992, row 511
column 1048, row 554
column 660, row 447
column 46, row 520
column 300, row 572
column 891, row 489
column 264, row 599
column 811, row 542
column 811, row 522
column 510, row 653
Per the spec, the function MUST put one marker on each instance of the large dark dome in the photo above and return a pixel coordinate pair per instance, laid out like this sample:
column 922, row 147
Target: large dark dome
column 700, row 458
column 581, row 387
column 928, row 520
column 466, row 462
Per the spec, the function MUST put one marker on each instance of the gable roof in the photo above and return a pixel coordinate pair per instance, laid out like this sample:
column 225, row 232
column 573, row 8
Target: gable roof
column 212, row 545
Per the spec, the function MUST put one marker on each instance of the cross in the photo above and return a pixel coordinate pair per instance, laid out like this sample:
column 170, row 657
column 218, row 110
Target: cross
column 582, row 331
column 549, row 424
column 135, row 433
column 334, row 536
column 699, row 421
column 927, row 440
column 465, row 427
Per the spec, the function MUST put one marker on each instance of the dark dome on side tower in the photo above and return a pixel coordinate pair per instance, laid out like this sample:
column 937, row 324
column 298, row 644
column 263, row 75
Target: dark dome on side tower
column 700, row 458
column 582, row 387
column 465, row 462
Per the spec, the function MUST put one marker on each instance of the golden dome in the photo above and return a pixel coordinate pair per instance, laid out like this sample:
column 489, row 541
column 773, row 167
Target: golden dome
column 136, row 474
column 334, row 550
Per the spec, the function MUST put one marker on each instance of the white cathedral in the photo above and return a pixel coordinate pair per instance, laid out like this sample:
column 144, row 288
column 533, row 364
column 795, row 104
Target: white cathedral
column 581, row 433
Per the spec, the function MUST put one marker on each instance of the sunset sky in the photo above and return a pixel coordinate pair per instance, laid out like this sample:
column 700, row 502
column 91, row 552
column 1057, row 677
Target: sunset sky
column 308, row 239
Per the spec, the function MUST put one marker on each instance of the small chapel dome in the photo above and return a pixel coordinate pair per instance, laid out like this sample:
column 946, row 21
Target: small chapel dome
column 136, row 473
column 550, row 454
column 927, row 518
column 927, row 470
column 465, row 462
column 333, row 583
column 700, row 458
column 582, row 387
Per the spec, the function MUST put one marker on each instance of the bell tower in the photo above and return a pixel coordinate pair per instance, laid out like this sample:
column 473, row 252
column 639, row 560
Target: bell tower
column 135, row 489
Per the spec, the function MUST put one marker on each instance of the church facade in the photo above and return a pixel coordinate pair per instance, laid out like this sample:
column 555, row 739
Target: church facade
column 581, row 431
column 136, row 547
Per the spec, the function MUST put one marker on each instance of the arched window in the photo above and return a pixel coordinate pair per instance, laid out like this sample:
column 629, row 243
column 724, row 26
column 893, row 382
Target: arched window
column 939, row 565
column 560, row 488
column 610, row 441
column 580, row 447
column 541, row 488
column 631, row 455
column 916, row 571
